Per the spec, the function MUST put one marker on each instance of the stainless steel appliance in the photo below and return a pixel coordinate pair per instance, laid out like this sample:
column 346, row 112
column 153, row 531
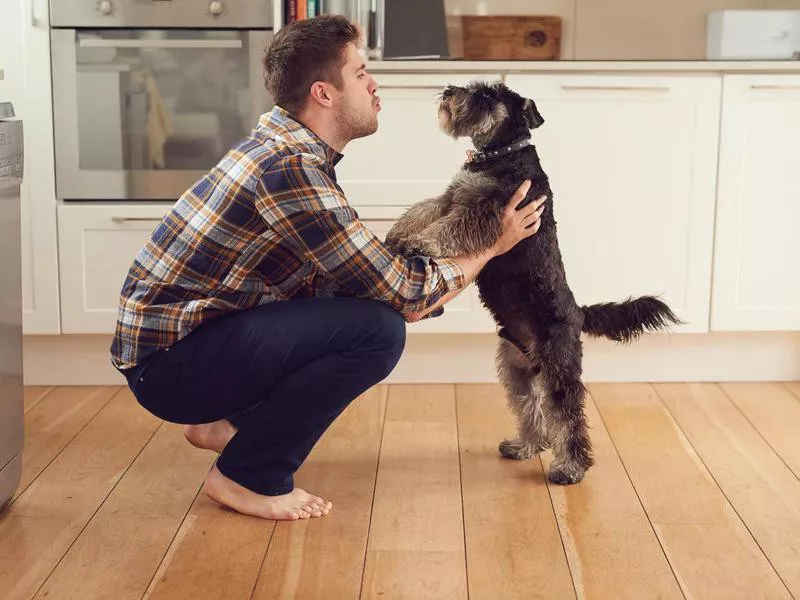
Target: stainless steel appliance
column 149, row 94
column 11, row 392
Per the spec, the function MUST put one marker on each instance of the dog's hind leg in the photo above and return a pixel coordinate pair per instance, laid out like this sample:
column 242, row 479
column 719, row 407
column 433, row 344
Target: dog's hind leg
column 519, row 379
column 563, row 407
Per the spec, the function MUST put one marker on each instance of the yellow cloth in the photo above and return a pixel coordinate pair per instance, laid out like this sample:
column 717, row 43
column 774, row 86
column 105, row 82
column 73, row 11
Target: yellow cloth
column 159, row 123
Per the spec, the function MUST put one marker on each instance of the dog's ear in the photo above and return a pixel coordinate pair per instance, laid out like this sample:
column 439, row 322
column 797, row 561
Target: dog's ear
column 531, row 114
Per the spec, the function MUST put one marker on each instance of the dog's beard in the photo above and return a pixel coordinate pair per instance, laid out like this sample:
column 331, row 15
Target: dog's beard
column 456, row 121
column 445, row 119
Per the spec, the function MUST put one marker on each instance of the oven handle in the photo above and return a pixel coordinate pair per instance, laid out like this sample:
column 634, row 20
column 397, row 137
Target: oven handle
column 163, row 44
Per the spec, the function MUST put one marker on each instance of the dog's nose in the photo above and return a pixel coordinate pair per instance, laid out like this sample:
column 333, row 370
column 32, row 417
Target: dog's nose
column 448, row 91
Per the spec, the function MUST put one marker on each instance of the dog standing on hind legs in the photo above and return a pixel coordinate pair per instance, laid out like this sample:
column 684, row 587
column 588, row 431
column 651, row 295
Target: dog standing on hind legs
column 539, row 354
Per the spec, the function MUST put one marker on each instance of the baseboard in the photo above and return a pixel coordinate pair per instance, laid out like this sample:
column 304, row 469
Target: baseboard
column 469, row 358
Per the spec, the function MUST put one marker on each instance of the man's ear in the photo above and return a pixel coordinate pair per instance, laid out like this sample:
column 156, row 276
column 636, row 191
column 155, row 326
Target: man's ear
column 320, row 93
column 531, row 113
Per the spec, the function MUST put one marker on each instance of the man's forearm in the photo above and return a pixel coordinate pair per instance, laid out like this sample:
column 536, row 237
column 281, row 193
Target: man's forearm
column 471, row 266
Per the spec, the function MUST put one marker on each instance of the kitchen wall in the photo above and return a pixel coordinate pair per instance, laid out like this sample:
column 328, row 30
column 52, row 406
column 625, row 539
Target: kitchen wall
column 622, row 29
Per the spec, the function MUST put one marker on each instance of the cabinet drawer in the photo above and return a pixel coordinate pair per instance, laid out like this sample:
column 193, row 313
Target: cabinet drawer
column 97, row 245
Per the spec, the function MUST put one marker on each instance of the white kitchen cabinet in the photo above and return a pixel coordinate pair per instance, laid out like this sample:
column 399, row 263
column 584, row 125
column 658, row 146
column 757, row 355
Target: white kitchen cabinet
column 632, row 164
column 97, row 245
column 463, row 314
column 756, row 275
column 409, row 158
column 25, row 60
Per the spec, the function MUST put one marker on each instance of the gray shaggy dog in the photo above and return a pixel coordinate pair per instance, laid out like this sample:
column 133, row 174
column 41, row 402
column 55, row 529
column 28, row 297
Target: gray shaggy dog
column 539, row 355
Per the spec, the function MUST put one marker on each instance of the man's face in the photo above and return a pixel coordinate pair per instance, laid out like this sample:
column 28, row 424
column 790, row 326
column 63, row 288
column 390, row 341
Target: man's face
column 357, row 103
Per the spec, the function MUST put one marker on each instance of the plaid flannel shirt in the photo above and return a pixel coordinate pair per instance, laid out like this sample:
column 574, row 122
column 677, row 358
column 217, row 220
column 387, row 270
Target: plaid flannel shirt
column 268, row 223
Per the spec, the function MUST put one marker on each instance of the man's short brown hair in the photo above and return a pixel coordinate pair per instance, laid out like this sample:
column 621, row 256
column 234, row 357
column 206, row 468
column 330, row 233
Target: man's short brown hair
column 304, row 52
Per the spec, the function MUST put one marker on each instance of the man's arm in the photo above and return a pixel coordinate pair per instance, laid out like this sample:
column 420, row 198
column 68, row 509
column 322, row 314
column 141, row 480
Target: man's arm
column 303, row 205
column 307, row 209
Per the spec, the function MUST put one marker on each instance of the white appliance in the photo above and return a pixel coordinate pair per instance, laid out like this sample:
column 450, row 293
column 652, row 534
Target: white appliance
column 11, row 392
column 753, row 35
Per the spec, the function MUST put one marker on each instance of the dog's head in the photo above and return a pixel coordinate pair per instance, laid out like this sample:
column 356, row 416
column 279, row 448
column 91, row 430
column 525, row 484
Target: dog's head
column 486, row 112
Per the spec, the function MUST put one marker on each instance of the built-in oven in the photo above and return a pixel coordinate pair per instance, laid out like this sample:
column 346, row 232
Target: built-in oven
column 149, row 94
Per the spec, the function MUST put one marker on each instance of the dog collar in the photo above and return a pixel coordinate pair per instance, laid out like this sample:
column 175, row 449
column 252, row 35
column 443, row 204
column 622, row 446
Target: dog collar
column 473, row 156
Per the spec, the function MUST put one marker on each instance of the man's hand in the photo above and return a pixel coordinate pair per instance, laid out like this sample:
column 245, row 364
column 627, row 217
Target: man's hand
column 519, row 224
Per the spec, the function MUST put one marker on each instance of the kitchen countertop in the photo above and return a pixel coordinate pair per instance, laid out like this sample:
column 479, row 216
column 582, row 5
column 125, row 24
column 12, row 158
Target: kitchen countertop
column 580, row 66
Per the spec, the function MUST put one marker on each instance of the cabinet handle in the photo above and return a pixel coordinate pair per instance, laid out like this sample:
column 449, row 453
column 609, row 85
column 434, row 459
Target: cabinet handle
column 617, row 88
column 775, row 87
column 34, row 20
column 135, row 219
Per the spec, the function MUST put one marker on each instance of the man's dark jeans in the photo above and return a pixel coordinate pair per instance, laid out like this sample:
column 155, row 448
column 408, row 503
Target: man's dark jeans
column 281, row 373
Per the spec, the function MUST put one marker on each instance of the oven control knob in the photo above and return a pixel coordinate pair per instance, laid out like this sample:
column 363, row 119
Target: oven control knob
column 216, row 8
column 105, row 7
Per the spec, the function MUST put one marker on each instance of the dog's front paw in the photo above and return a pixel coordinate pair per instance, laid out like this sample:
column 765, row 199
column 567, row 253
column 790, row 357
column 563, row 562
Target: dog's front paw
column 392, row 243
column 565, row 474
column 418, row 246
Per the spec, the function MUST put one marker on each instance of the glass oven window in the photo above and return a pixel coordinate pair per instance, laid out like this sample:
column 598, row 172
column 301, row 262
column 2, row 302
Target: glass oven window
column 162, row 100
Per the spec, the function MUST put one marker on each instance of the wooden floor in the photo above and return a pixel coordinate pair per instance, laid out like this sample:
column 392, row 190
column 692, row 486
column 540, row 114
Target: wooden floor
column 695, row 494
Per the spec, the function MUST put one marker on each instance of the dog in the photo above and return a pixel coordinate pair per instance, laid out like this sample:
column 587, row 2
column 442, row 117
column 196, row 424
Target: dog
column 539, row 353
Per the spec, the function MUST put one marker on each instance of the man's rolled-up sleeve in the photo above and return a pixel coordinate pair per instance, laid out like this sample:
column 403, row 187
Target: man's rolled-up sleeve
column 313, row 217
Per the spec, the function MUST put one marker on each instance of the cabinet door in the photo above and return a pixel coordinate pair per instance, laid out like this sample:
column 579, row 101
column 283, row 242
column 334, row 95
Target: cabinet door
column 756, row 277
column 409, row 158
column 463, row 314
column 632, row 164
column 97, row 245
column 27, row 85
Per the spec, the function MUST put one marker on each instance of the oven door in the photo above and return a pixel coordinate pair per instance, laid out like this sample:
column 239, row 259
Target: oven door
column 142, row 114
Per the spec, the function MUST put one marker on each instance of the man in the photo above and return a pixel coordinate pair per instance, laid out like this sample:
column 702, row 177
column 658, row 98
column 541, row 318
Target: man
column 261, row 306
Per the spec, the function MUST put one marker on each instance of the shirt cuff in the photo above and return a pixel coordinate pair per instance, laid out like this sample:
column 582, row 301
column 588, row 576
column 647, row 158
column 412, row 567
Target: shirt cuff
column 451, row 272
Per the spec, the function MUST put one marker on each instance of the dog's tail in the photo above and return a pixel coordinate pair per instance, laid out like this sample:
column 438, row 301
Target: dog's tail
column 627, row 320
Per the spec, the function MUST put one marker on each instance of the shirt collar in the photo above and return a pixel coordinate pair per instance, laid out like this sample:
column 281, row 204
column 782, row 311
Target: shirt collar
column 280, row 123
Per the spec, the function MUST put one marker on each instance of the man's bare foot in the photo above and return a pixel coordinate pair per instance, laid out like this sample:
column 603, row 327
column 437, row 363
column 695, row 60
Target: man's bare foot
column 210, row 436
column 297, row 504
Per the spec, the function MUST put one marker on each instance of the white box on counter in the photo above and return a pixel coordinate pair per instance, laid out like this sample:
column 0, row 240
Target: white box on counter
column 753, row 35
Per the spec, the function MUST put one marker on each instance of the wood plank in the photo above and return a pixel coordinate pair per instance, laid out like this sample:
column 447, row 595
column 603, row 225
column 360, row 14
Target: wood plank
column 54, row 421
column 324, row 558
column 794, row 387
column 775, row 412
column 216, row 554
column 710, row 550
column 613, row 550
column 512, row 538
column 761, row 488
column 416, row 541
column 121, row 547
column 47, row 518
column 33, row 394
